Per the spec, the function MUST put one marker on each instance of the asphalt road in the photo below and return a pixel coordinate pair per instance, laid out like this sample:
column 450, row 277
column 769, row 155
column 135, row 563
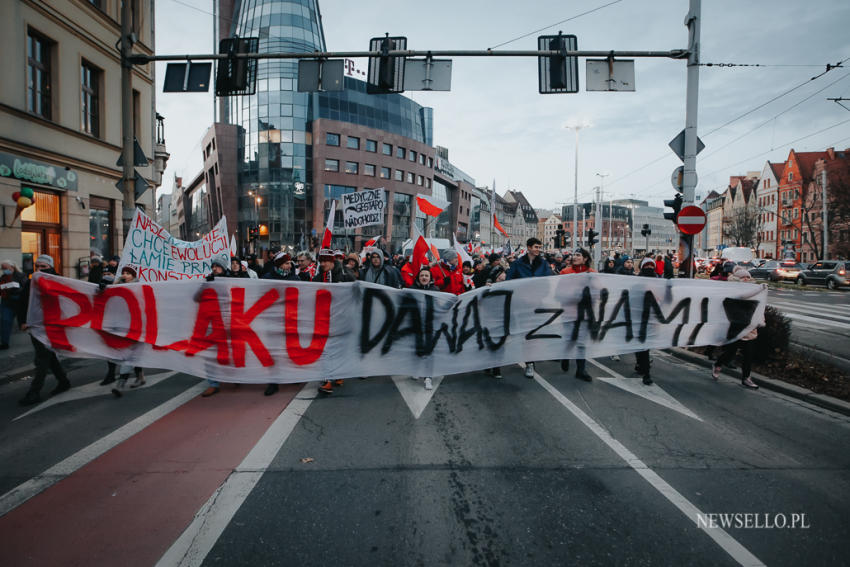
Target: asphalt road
column 491, row 472
column 820, row 318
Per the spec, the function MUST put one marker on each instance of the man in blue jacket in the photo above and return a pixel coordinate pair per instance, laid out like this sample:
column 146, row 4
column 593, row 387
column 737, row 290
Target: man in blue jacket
column 531, row 265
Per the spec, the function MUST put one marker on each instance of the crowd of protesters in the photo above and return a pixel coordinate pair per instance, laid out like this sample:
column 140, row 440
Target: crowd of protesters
column 443, row 274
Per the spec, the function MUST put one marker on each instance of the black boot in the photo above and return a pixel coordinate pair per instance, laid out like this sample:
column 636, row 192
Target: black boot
column 565, row 365
column 581, row 372
column 30, row 399
column 63, row 386
column 271, row 389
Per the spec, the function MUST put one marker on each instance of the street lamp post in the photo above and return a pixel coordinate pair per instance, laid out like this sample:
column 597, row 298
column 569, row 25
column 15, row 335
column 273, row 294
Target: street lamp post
column 602, row 177
column 576, row 128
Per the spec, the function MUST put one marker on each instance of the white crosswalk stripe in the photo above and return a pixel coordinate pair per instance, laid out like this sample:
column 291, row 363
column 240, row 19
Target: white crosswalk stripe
column 814, row 315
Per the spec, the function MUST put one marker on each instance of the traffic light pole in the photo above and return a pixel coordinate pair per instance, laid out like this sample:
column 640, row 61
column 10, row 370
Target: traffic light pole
column 129, row 172
column 689, row 181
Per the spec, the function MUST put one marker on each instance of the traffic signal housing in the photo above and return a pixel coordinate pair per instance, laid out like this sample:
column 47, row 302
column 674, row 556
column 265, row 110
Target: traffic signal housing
column 386, row 73
column 560, row 239
column 253, row 232
column 645, row 231
column 592, row 237
column 676, row 204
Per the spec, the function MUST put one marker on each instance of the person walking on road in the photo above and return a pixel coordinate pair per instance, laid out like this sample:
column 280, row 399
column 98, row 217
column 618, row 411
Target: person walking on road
column 530, row 265
column 580, row 265
column 744, row 344
column 647, row 270
column 128, row 275
column 424, row 282
column 331, row 271
column 45, row 359
column 12, row 282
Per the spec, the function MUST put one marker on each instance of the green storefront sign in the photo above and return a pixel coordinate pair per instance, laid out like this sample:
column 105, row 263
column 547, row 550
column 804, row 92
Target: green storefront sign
column 35, row 171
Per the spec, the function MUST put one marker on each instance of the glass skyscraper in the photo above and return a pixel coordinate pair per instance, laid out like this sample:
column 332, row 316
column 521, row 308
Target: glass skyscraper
column 275, row 159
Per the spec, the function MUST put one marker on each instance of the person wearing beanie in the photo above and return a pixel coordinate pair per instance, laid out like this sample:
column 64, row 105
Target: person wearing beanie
column 283, row 269
column 247, row 269
column 648, row 265
column 331, row 271
column 95, row 269
column 580, row 264
column 236, row 268
column 218, row 269
column 744, row 344
column 627, row 268
column 44, row 359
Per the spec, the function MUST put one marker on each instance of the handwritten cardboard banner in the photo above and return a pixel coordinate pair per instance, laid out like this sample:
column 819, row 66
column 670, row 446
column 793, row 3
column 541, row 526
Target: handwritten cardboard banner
column 157, row 256
column 242, row 330
column 364, row 208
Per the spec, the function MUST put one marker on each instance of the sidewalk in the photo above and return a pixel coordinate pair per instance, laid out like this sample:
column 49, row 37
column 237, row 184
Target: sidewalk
column 17, row 361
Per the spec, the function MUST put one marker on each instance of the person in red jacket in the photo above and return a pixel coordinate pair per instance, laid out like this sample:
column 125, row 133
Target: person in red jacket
column 447, row 275
column 580, row 264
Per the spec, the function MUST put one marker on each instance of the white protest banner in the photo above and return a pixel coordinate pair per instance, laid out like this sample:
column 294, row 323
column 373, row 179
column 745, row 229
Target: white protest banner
column 243, row 330
column 157, row 256
column 364, row 208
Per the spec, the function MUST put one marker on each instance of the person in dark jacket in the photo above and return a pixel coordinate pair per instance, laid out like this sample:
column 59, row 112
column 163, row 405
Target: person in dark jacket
column 45, row 359
column 376, row 270
column 530, row 265
column 647, row 270
column 627, row 268
column 95, row 269
column 668, row 267
column 12, row 282
column 283, row 270
column 218, row 269
column 609, row 268
column 236, row 270
column 331, row 271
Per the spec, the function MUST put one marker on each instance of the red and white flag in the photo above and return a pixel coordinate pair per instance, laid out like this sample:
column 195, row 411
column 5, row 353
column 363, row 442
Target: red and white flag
column 431, row 206
column 419, row 256
column 373, row 242
column 499, row 227
column 463, row 255
column 328, row 235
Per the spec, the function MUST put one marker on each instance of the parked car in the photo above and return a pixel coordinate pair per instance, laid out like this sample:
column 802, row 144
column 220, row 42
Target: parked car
column 786, row 270
column 765, row 270
column 831, row 273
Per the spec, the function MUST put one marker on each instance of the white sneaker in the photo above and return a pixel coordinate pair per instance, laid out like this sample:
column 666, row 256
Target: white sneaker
column 615, row 358
column 428, row 384
column 529, row 370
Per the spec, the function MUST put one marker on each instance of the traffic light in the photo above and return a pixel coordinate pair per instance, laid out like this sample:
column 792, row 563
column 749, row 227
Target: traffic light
column 645, row 231
column 386, row 73
column 591, row 237
column 236, row 76
column 560, row 240
column 676, row 204
column 253, row 232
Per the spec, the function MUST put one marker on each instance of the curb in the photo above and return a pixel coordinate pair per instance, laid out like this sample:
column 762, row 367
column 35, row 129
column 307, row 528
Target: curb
column 821, row 400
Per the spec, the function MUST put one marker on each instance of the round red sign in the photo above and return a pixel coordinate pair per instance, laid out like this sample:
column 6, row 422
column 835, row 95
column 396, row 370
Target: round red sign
column 691, row 220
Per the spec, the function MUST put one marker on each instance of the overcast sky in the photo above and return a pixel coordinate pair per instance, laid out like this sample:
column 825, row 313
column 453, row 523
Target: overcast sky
column 497, row 126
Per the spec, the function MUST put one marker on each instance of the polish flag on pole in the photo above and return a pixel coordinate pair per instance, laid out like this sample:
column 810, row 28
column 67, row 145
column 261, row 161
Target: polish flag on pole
column 419, row 257
column 373, row 242
column 431, row 206
column 499, row 227
column 233, row 245
column 463, row 256
column 328, row 235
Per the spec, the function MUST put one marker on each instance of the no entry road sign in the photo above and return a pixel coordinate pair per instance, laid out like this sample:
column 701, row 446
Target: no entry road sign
column 691, row 220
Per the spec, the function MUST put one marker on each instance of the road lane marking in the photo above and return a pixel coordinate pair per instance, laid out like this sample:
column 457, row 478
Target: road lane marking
column 414, row 394
column 729, row 544
column 653, row 393
column 84, row 456
column 195, row 543
column 93, row 390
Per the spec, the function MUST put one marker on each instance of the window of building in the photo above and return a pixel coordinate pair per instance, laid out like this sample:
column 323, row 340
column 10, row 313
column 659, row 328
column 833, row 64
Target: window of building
column 331, row 139
column 90, row 98
column 431, row 162
column 369, row 169
column 422, row 159
column 790, row 176
column 39, row 99
column 428, row 182
column 351, row 167
column 411, row 155
column 385, row 173
column 387, row 149
column 398, row 175
column 371, row 146
column 100, row 226
column 331, row 165
column 352, row 143
column 400, row 152
column 409, row 177
column 419, row 180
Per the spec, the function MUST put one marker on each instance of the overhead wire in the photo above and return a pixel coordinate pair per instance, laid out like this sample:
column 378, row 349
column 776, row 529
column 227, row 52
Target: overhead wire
column 556, row 24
